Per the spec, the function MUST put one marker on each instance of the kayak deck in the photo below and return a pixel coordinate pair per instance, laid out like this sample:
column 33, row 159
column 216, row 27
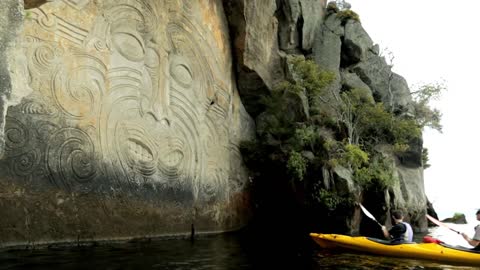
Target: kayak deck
column 428, row 251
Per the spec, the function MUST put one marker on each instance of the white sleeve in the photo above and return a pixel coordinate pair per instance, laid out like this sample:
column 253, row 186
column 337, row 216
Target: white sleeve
column 477, row 233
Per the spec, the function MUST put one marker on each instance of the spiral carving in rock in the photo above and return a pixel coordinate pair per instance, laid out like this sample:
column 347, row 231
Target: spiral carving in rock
column 16, row 135
column 25, row 164
column 78, row 90
column 70, row 159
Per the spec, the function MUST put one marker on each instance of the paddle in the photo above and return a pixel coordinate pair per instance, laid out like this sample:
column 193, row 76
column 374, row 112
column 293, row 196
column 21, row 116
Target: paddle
column 365, row 211
column 434, row 220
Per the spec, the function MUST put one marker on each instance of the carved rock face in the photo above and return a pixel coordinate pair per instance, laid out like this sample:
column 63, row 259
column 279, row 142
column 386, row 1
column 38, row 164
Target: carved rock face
column 132, row 98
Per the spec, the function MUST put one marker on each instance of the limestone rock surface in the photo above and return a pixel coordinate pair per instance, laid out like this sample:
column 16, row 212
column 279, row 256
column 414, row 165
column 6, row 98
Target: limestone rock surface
column 131, row 124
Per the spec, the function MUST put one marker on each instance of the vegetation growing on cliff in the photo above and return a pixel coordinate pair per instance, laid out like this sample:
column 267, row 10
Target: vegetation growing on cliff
column 308, row 129
column 424, row 114
column 343, row 11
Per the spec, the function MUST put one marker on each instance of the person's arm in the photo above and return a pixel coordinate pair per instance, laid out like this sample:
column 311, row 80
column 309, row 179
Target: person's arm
column 385, row 232
column 472, row 242
column 397, row 229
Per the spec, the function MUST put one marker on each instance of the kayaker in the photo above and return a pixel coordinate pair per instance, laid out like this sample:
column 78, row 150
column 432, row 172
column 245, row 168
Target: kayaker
column 401, row 231
column 475, row 241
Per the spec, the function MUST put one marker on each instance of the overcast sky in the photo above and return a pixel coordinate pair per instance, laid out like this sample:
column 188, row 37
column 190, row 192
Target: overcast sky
column 435, row 40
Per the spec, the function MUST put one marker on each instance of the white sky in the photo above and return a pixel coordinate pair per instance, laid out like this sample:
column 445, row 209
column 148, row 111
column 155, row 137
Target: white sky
column 435, row 40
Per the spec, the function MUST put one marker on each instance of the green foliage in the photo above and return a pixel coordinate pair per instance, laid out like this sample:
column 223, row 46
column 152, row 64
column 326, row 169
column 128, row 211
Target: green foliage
column 425, row 115
column 282, row 105
column 334, row 153
column 374, row 125
column 307, row 75
column 278, row 124
column 306, row 136
column 353, row 156
column 273, row 103
column 404, row 130
column 358, row 97
column 428, row 92
column 348, row 14
column 400, row 148
column 296, row 165
column 368, row 123
column 329, row 199
column 363, row 176
column 428, row 117
column 329, row 145
column 382, row 173
column 425, row 158
column 379, row 175
column 332, row 163
column 287, row 86
column 284, row 129
column 353, row 110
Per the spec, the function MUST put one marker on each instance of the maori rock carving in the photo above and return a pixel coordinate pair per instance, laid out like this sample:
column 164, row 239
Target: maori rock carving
column 132, row 94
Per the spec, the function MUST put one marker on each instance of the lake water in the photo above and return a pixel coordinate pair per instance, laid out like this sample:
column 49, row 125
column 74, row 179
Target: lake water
column 226, row 251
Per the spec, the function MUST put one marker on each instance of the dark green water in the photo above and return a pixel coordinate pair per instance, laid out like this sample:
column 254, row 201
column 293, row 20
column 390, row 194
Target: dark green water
column 229, row 251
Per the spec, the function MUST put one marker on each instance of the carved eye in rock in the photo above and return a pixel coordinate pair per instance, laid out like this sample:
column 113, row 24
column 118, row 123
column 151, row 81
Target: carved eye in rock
column 129, row 46
column 181, row 73
column 127, row 40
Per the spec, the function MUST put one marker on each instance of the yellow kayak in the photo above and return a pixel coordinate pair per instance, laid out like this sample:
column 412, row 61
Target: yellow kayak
column 428, row 251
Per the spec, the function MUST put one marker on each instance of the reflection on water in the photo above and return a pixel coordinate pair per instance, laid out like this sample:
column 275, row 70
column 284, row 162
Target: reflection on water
column 345, row 260
column 228, row 251
column 204, row 253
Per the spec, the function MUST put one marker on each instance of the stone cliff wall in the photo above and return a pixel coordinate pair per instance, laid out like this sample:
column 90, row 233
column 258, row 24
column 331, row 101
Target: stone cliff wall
column 343, row 46
column 132, row 125
column 265, row 33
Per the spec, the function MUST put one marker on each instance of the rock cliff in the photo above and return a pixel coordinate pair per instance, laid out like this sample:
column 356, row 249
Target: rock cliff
column 265, row 34
column 128, row 123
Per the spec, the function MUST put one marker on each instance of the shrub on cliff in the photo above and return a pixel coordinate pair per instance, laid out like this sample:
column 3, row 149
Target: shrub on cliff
column 368, row 123
column 298, row 138
column 296, row 165
column 343, row 11
column 307, row 77
column 425, row 115
column 377, row 175
column 345, row 15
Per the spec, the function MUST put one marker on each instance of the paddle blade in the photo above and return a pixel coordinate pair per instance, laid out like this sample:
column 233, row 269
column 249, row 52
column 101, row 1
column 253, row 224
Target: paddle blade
column 368, row 214
column 436, row 221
